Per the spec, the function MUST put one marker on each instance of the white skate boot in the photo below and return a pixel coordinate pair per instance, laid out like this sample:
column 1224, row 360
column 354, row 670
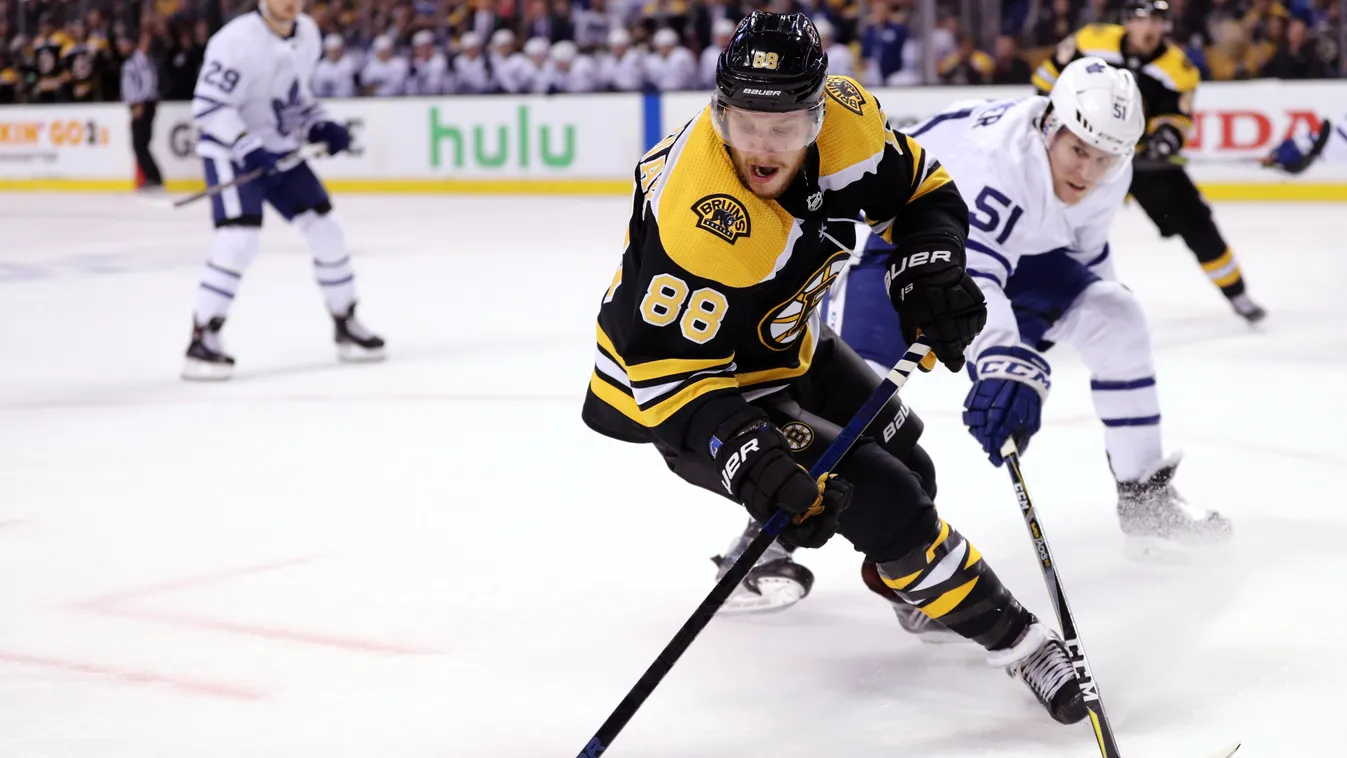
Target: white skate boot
column 1159, row 523
column 775, row 583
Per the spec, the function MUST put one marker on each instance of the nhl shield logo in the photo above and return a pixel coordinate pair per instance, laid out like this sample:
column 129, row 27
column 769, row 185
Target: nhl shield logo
column 846, row 93
column 723, row 216
column 798, row 435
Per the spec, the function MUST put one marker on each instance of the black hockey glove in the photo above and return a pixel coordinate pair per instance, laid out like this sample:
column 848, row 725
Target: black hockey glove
column 934, row 295
column 757, row 469
column 1164, row 143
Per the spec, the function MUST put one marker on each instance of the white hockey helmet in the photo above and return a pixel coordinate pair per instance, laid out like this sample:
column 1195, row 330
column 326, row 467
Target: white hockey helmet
column 502, row 37
column 1098, row 103
column 470, row 41
column 423, row 37
column 665, row 38
column 619, row 38
column 825, row 29
column 536, row 47
column 333, row 42
column 564, row 51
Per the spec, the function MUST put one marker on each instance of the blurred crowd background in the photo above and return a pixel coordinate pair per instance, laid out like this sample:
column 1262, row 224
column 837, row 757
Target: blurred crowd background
column 72, row 50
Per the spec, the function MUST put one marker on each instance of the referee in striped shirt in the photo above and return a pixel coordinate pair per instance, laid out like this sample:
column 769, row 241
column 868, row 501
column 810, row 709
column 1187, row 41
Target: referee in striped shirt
column 140, row 90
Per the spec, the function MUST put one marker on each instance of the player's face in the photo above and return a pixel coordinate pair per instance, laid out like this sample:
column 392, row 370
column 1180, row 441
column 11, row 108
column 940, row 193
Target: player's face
column 284, row 11
column 1144, row 33
column 768, row 148
column 1076, row 166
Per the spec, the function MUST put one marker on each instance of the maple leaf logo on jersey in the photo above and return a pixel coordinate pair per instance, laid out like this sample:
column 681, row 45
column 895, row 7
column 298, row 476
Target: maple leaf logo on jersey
column 723, row 216
column 784, row 324
column 1095, row 68
column 290, row 111
column 846, row 93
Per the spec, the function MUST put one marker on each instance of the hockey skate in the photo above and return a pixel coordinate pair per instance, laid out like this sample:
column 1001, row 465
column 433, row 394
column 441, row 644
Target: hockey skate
column 1247, row 308
column 1039, row 659
column 1159, row 523
column 206, row 358
column 912, row 620
column 775, row 583
column 355, row 343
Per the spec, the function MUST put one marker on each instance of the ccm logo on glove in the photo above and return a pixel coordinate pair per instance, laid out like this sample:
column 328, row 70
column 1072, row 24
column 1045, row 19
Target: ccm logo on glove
column 912, row 261
column 735, row 461
column 1019, row 370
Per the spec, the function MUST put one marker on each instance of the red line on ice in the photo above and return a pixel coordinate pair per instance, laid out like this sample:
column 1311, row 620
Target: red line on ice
column 135, row 676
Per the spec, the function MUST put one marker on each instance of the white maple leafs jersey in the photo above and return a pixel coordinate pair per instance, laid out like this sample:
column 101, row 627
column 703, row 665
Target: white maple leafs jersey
column 676, row 72
column 257, row 82
column 518, row 74
column 429, row 77
column 385, row 78
column 335, row 78
column 472, row 75
column 582, row 76
column 995, row 152
column 624, row 74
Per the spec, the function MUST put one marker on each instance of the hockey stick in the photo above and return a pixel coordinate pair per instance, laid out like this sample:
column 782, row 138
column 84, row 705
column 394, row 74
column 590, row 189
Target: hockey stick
column 1089, row 688
column 702, row 616
column 284, row 164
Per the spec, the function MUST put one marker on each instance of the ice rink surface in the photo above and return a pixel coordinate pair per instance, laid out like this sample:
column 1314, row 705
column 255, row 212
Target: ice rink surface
column 434, row 557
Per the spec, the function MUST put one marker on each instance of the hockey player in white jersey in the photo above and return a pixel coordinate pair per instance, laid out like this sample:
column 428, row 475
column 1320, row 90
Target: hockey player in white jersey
column 841, row 61
column 568, row 70
column 472, row 71
column 254, row 107
column 622, row 68
column 1043, row 179
column 385, row 73
column 670, row 67
column 428, row 72
column 721, row 31
column 335, row 74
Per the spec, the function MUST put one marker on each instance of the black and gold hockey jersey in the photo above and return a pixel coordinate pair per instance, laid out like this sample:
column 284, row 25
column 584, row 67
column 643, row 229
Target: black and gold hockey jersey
column 84, row 63
column 1166, row 78
column 715, row 301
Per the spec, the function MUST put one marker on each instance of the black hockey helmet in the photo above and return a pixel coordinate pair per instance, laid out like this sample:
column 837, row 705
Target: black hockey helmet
column 775, row 63
column 1145, row 9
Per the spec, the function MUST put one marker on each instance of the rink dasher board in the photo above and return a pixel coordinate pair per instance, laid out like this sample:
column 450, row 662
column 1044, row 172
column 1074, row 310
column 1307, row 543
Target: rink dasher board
column 589, row 144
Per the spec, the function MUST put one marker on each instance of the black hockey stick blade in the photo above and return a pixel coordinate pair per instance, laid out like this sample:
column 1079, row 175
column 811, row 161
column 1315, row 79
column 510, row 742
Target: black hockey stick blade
column 664, row 662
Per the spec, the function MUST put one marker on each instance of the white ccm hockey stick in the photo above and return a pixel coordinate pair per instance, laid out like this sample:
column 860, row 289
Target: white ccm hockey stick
column 1103, row 731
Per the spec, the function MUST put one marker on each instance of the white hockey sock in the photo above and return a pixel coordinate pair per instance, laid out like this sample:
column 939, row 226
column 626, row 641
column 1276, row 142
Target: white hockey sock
column 1130, row 410
column 332, row 264
column 232, row 248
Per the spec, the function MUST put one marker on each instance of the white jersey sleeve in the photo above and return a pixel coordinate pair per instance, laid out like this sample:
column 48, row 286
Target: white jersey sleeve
column 384, row 78
column 429, row 77
column 517, row 74
column 706, row 69
column 335, row 78
column 255, row 82
column 472, row 75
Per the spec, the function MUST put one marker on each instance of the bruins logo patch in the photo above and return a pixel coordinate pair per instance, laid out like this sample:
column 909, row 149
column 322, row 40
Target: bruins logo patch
column 798, row 435
column 723, row 216
column 847, row 94
column 783, row 325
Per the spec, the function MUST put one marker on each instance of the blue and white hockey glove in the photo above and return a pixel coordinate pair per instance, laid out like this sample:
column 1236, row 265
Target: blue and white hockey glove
column 1295, row 154
column 1009, row 387
column 334, row 135
column 249, row 154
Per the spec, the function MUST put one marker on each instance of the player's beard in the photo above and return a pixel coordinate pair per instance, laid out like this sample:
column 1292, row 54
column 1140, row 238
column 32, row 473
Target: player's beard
column 783, row 168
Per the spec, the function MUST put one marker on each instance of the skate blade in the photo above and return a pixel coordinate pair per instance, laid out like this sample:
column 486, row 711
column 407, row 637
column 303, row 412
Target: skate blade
column 1159, row 550
column 201, row 371
column 352, row 353
column 774, row 595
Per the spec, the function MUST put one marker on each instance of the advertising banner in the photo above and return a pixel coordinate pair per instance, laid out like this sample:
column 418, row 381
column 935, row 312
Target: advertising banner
column 55, row 143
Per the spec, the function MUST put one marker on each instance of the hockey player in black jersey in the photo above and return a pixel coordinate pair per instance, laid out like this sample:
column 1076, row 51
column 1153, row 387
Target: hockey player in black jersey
column 1168, row 81
column 710, row 347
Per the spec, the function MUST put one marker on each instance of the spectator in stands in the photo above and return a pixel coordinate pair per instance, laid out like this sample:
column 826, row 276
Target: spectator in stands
column 944, row 42
column 49, row 86
column 1055, row 24
column 705, row 17
column 665, row 14
column 428, row 71
column 1231, row 57
column 967, row 65
column 622, row 69
column 181, row 63
column 592, row 25
column 568, row 70
column 1297, row 57
column 472, row 70
column 670, row 66
column 1261, row 13
column 11, row 83
column 336, row 71
column 1101, row 12
column 1011, row 67
column 840, row 60
column 882, row 39
column 720, row 39
column 384, row 74
column 502, row 49
column 484, row 21
column 541, row 21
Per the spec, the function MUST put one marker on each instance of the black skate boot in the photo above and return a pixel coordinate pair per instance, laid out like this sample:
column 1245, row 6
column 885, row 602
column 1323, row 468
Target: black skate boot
column 912, row 620
column 1158, row 522
column 775, row 583
column 1247, row 308
column 355, row 343
column 1039, row 659
column 206, row 358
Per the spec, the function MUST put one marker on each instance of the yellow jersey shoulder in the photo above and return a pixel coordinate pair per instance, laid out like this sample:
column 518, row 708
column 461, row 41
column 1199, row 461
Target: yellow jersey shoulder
column 854, row 127
column 1094, row 39
column 1179, row 73
column 709, row 224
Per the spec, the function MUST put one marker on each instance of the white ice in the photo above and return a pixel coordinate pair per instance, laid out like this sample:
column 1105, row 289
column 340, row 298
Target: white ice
column 434, row 557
